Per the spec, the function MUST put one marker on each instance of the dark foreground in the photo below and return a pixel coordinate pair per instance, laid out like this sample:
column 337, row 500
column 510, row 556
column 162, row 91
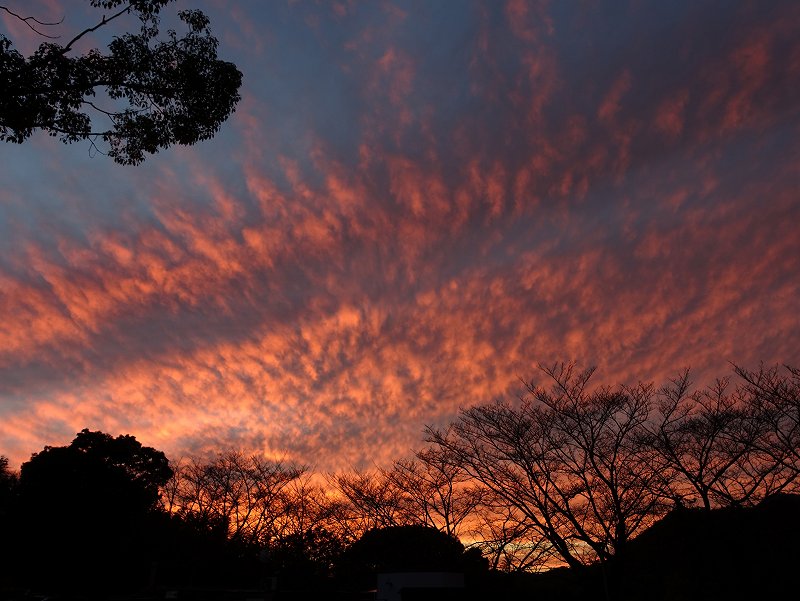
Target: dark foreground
column 733, row 553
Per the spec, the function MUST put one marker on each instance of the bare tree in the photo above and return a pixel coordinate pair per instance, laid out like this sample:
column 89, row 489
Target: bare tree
column 567, row 474
column 713, row 444
column 436, row 491
column 568, row 460
column 508, row 540
column 774, row 399
column 372, row 500
column 308, row 528
column 245, row 492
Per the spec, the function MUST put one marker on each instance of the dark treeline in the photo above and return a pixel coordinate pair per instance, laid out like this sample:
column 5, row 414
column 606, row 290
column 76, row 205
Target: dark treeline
column 621, row 486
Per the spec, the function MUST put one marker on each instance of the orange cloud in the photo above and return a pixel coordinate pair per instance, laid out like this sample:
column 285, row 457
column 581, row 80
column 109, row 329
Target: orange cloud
column 323, row 294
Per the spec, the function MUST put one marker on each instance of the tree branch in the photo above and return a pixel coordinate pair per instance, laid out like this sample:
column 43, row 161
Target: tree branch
column 89, row 30
column 27, row 21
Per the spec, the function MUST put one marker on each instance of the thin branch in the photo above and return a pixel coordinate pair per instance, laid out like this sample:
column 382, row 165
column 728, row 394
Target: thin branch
column 112, row 115
column 94, row 150
column 28, row 20
column 89, row 30
column 80, row 134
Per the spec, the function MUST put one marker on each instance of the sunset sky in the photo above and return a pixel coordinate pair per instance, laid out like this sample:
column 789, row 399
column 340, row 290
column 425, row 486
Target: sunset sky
column 413, row 205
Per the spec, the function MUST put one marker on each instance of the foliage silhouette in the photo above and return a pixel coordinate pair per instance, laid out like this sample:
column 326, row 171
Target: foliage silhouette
column 8, row 487
column 84, row 512
column 153, row 92
column 97, row 473
column 8, row 481
column 413, row 548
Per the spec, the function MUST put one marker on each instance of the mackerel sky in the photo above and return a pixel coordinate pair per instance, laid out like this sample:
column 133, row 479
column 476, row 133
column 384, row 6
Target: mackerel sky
column 414, row 204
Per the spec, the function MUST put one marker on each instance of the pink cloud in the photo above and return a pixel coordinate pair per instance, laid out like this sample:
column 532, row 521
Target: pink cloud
column 325, row 301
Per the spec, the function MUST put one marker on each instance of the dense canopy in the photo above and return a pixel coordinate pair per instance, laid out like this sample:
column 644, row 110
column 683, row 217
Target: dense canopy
column 145, row 94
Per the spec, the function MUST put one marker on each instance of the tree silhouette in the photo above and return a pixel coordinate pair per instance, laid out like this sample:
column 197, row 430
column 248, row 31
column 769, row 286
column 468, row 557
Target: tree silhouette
column 99, row 472
column 437, row 491
column 372, row 500
column 567, row 459
column 584, row 471
column 85, row 510
column 567, row 470
column 151, row 92
column 707, row 444
column 7, row 481
column 247, row 493
column 775, row 398
column 413, row 548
